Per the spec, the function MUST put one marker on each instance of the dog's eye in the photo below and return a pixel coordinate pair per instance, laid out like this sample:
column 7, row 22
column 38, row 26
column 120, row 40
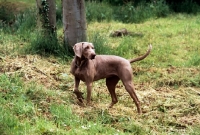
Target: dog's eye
column 86, row 47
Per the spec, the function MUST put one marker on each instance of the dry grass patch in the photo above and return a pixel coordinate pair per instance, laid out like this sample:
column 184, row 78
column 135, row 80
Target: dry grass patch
column 48, row 72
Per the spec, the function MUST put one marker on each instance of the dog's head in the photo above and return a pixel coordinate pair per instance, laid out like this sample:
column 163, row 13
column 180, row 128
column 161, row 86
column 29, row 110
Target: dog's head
column 84, row 49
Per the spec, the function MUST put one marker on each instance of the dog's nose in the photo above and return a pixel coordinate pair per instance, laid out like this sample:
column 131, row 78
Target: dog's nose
column 93, row 56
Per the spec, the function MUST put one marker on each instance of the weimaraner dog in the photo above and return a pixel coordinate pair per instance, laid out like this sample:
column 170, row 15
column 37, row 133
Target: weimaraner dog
column 89, row 67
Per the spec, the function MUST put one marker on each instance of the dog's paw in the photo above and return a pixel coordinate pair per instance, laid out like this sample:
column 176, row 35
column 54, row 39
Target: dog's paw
column 79, row 95
column 90, row 104
column 81, row 104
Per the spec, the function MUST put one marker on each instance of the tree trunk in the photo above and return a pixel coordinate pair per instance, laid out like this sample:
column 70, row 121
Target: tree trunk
column 47, row 12
column 52, row 15
column 74, row 22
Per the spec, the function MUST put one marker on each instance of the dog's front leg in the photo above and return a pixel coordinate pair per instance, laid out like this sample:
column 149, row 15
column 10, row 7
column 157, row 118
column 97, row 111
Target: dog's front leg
column 79, row 94
column 89, row 91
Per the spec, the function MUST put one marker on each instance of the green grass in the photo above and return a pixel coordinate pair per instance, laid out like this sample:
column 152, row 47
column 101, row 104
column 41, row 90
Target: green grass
column 36, row 90
column 167, row 37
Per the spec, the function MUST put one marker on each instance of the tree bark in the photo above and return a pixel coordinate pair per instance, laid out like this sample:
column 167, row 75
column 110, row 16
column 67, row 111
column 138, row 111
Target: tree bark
column 52, row 15
column 47, row 13
column 74, row 22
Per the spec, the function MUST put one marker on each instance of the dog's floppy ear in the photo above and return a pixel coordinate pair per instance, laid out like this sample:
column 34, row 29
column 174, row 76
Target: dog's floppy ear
column 78, row 48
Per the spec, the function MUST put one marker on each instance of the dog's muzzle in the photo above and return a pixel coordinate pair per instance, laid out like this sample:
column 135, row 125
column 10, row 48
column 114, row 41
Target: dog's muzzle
column 92, row 56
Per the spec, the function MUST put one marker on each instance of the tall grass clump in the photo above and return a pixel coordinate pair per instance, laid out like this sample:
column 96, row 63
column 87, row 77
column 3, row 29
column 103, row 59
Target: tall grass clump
column 25, row 23
column 160, row 8
column 8, row 122
column 96, row 11
column 131, row 13
column 100, row 43
column 126, row 48
column 194, row 60
column 127, row 13
column 22, row 23
column 10, row 92
column 43, row 44
column 63, row 116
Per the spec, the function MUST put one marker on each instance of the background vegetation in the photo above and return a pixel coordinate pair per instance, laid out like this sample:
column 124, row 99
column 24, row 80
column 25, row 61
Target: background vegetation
column 36, row 86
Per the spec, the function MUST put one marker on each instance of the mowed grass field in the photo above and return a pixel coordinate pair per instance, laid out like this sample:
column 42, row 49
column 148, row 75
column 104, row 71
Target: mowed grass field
column 36, row 92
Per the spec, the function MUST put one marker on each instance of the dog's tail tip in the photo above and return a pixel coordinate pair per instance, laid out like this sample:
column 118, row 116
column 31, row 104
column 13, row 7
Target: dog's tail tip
column 150, row 47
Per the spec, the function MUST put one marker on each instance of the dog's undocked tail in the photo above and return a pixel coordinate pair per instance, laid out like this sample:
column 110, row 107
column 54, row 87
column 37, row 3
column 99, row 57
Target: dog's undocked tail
column 143, row 56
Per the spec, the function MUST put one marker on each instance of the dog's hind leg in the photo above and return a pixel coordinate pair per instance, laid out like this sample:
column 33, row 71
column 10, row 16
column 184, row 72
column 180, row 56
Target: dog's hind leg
column 111, row 83
column 130, row 89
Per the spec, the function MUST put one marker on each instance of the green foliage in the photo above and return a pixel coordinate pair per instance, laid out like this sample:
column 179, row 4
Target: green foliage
column 58, row 11
column 100, row 43
column 44, row 17
column 8, row 122
column 140, row 11
column 194, row 59
column 96, row 11
column 127, row 48
column 11, row 90
column 25, row 24
column 186, row 6
column 196, row 130
column 43, row 44
column 63, row 116
column 47, row 45
column 5, row 15
column 128, row 13
column 160, row 8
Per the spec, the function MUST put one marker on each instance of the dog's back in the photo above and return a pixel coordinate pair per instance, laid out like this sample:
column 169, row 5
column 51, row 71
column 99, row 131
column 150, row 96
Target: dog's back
column 109, row 65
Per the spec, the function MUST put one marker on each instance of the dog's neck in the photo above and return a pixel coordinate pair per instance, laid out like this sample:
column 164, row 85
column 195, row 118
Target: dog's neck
column 79, row 62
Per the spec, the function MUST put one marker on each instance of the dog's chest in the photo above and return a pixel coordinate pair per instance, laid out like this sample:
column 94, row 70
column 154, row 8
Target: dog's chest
column 85, row 72
column 81, row 74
